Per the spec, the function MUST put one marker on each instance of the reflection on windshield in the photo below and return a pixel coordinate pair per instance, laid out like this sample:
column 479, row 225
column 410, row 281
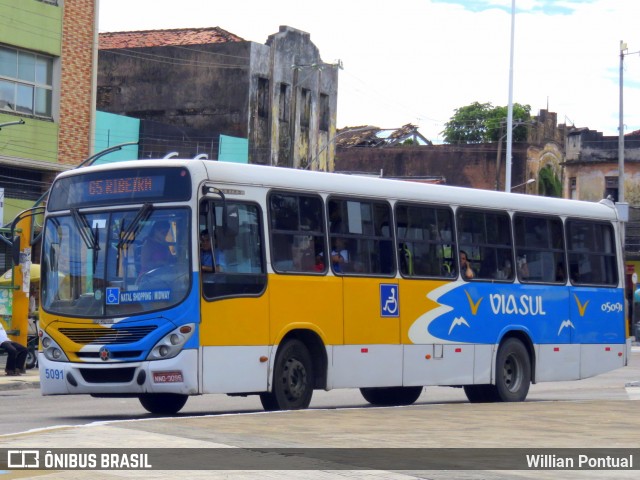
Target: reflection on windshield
column 115, row 263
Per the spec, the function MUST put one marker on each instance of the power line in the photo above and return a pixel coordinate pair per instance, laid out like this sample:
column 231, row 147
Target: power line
column 171, row 61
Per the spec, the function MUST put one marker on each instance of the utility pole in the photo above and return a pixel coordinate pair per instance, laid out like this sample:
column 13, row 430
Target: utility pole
column 623, row 48
column 507, row 180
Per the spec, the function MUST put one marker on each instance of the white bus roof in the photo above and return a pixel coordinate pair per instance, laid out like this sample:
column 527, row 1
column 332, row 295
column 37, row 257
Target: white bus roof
column 344, row 184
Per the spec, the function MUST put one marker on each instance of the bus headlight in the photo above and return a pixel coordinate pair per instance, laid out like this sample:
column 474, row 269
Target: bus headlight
column 52, row 351
column 172, row 343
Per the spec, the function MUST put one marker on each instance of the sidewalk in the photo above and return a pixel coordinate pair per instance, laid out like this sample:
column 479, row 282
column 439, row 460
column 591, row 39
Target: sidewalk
column 30, row 380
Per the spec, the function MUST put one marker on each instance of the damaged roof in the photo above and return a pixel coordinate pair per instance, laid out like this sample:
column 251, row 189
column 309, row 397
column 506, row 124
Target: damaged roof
column 372, row 137
column 162, row 38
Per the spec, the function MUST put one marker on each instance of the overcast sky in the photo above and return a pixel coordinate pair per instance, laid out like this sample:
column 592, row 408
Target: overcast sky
column 416, row 61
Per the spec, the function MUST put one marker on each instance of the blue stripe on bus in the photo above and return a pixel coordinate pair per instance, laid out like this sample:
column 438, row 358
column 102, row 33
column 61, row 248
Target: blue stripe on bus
column 478, row 313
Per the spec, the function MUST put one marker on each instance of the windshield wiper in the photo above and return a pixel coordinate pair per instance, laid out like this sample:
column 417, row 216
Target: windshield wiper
column 87, row 235
column 130, row 233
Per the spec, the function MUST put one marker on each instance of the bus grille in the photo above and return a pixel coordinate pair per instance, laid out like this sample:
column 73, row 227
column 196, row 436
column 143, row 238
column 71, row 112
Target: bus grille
column 113, row 355
column 113, row 375
column 110, row 336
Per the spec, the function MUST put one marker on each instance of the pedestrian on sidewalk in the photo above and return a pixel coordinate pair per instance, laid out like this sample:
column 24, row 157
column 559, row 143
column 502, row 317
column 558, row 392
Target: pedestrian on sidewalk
column 16, row 354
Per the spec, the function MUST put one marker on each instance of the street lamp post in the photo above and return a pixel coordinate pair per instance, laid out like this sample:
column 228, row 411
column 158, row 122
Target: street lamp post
column 622, row 206
column 623, row 48
column 499, row 154
column 528, row 182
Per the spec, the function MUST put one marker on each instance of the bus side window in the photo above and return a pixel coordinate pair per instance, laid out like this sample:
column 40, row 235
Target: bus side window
column 424, row 235
column 540, row 256
column 358, row 234
column 296, row 228
column 487, row 236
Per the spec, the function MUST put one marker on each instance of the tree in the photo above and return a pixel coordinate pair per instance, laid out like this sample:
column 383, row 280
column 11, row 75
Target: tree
column 483, row 123
column 549, row 185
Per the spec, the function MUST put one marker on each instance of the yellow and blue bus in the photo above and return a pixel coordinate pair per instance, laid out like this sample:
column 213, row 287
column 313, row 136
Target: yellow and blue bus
column 316, row 280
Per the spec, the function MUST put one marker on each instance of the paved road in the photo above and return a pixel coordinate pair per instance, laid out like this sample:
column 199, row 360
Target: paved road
column 593, row 413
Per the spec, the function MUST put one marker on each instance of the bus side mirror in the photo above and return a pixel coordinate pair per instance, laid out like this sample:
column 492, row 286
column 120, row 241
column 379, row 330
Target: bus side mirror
column 15, row 250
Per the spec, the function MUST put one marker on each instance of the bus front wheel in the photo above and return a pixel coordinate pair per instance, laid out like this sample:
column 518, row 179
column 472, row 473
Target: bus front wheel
column 293, row 379
column 391, row 396
column 163, row 403
column 513, row 371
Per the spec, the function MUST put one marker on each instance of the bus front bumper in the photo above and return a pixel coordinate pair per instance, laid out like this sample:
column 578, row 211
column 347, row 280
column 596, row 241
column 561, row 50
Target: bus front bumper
column 174, row 375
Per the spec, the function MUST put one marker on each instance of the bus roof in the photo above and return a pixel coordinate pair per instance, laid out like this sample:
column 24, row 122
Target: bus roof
column 358, row 185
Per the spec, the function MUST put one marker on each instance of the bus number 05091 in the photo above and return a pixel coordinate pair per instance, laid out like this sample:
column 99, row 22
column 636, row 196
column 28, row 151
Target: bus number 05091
column 612, row 307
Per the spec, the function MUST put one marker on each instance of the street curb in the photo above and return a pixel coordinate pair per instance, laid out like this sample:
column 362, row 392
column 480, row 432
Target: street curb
column 19, row 385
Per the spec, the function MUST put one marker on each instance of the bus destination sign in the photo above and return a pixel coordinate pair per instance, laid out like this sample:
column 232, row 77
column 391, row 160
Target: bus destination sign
column 119, row 187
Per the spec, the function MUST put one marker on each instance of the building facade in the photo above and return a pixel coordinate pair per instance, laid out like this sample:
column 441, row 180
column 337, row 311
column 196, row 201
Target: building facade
column 47, row 91
column 535, row 165
column 195, row 85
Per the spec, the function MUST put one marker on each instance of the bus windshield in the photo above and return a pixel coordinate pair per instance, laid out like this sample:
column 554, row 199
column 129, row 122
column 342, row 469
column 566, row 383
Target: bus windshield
column 115, row 263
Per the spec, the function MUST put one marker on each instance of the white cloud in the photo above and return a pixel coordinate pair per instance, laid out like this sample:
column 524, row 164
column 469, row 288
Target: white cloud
column 415, row 61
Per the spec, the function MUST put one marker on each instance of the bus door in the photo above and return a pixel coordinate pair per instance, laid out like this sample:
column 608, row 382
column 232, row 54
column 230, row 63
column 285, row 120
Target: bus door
column 301, row 294
column 362, row 253
column 234, row 328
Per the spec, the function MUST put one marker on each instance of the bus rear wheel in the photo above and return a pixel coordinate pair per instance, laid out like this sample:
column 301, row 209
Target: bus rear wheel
column 293, row 379
column 391, row 396
column 513, row 371
column 163, row 403
column 481, row 393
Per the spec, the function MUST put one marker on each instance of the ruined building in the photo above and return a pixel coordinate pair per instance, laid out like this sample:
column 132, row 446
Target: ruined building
column 190, row 86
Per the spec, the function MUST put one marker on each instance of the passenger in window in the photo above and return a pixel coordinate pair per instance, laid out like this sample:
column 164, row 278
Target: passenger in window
column 465, row 266
column 206, row 257
column 523, row 268
column 155, row 250
column 339, row 255
column 319, row 265
column 505, row 272
column 304, row 258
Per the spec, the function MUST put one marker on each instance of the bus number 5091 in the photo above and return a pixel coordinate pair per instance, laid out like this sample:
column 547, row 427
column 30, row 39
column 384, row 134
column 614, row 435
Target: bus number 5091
column 54, row 374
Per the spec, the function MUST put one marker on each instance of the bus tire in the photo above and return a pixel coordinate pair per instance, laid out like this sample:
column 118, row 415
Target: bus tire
column 391, row 396
column 513, row 371
column 163, row 403
column 481, row 393
column 293, row 379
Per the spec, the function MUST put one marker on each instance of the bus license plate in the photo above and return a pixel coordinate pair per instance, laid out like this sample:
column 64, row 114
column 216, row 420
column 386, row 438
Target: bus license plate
column 167, row 377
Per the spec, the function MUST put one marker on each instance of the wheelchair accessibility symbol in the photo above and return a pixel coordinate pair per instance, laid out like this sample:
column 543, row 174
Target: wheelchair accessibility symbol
column 389, row 306
column 113, row 296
